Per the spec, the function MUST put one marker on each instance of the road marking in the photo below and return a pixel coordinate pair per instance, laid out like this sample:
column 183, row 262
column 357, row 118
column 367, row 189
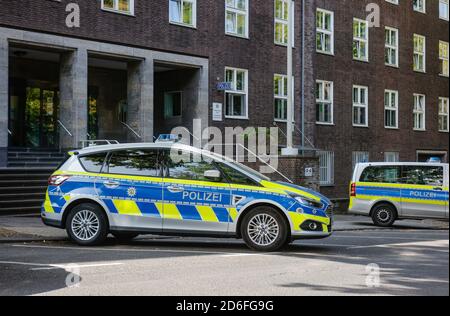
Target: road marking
column 381, row 237
column 48, row 266
column 429, row 244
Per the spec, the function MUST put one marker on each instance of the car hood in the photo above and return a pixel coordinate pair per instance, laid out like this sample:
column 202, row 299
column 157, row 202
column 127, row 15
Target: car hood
column 296, row 189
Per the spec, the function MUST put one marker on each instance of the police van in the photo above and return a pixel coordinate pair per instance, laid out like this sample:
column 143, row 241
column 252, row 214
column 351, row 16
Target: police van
column 172, row 189
column 391, row 191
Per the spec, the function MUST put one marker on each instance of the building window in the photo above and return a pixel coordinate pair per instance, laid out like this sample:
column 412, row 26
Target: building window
column 359, row 157
column 360, row 106
column 392, row 157
column 360, row 40
column 392, row 1
column 325, row 31
column 236, row 98
column 391, row 47
column 173, row 104
column 419, row 112
column 443, row 58
column 443, row 9
column 324, row 102
column 183, row 12
column 391, row 109
column 281, row 97
column 420, row 6
column 326, row 162
column 236, row 17
column 281, row 21
column 121, row 6
column 419, row 53
column 443, row 115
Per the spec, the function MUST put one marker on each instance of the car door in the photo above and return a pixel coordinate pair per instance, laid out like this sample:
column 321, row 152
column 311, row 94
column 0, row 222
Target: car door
column 194, row 203
column 131, row 187
column 423, row 194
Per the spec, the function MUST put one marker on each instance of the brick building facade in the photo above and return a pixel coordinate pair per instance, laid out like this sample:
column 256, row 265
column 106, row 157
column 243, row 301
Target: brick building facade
column 150, row 51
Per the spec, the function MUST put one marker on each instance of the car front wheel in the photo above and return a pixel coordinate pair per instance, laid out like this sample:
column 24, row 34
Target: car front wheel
column 264, row 229
column 87, row 225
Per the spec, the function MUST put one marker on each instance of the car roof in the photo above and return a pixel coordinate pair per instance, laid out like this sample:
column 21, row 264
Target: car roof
column 125, row 146
column 368, row 164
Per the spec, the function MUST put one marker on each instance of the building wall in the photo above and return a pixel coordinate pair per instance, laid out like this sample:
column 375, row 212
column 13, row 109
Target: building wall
column 342, row 137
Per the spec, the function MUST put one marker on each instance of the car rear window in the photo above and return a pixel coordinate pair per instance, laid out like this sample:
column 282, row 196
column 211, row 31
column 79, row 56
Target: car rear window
column 134, row 162
column 381, row 174
column 93, row 162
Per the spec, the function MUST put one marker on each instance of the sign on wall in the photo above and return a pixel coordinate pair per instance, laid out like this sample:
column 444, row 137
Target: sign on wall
column 217, row 112
column 223, row 86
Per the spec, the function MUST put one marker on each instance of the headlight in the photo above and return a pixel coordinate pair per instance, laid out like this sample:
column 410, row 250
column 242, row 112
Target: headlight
column 308, row 202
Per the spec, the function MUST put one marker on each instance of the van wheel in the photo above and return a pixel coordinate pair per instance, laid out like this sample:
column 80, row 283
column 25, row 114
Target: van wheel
column 264, row 229
column 124, row 237
column 87, row 225
column 384, row 215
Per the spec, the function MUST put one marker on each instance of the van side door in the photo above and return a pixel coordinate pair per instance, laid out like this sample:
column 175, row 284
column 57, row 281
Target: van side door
column 423, row 192
column 194, row 203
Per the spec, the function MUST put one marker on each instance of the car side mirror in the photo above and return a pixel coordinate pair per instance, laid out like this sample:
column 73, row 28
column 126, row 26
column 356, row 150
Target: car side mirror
column 212, row 175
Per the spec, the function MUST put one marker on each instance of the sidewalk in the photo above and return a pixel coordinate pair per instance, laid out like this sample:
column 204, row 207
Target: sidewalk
column 26, row 228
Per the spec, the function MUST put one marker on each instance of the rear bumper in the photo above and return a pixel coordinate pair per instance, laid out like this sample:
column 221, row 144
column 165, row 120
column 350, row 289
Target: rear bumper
column 52, row 220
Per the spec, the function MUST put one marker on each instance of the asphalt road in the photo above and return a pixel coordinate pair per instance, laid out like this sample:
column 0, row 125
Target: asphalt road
column 410, row 262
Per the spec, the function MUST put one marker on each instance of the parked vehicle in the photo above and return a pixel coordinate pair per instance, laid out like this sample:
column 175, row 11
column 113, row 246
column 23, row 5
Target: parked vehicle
column 391, row 191
column 173, row 189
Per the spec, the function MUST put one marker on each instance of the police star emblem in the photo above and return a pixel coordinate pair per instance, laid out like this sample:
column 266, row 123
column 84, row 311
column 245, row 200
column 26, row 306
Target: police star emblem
column 131, row 192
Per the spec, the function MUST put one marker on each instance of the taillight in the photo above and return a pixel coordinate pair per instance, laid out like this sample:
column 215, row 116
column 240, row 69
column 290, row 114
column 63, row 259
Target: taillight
column 353, row 189
column 57, row 180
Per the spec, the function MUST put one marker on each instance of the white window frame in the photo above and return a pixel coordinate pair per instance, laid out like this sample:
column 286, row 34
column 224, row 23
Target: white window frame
column 388, row 155
column 360, row 157
column 418, row 53
column 283, row 22
column 237, row 11
column 235, row 91
column 326, row 32
column 442, row 17
column 194, row 14
column 363, row 104
column 444, row 59
column 116, row 8
column 389, row 47
column 357, row 39
column 388, row 107
column 423, row 8
column 322, row 100
column 393, row 1
column 444, row 113
column 418, row 113
column 326, row 168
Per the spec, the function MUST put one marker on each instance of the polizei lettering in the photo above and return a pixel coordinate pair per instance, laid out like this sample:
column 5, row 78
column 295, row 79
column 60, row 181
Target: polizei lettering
column 202, row 196
column 422, row 194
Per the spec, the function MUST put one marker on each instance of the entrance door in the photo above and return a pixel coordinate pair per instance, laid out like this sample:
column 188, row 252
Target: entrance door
column 41, row 107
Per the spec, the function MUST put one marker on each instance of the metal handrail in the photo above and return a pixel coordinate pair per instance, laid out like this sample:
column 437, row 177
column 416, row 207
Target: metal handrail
column 131, row 129
column 64, row 128
column 9, row 132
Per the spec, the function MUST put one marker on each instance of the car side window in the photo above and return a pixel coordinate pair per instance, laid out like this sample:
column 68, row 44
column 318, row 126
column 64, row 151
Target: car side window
column 134, row 162
column 423, row 175
column 236, row 177
column 184, row 165
column 93, row 163
column 381, row 174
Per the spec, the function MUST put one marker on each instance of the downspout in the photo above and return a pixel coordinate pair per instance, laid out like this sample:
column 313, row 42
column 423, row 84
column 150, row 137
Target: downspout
column 303, row 78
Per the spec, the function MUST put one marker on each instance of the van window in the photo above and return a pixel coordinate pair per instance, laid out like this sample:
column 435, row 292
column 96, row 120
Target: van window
column 184, row 165
column 93, row 163
column 423, row 175
column 381, row 174
column 134, row 162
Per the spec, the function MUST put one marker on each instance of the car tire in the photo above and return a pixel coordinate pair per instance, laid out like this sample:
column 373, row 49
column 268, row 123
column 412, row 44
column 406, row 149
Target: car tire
column 264, row 229
column 124, row 237
column 384, row 215
column 87, row 225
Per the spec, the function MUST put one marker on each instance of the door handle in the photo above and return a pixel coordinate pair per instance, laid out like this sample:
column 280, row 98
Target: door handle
column 175, row 189
column 438, row 189
column 111, row 184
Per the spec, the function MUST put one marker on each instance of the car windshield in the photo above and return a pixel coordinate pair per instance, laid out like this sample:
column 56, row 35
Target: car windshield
column 242, row 167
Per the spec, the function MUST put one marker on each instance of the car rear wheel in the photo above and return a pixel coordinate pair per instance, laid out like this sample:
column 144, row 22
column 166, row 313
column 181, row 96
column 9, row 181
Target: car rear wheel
column 384, row 215
column 87, row 225
column 264, row 229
